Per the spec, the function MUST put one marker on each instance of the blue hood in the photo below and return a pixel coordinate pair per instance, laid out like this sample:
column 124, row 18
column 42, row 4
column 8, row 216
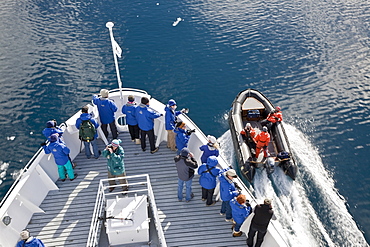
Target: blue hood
column 167, row 108
column 85, row 116
column 212, row 161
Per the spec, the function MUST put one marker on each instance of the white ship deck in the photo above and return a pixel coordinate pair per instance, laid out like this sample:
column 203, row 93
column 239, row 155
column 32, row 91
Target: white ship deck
column 68, row 212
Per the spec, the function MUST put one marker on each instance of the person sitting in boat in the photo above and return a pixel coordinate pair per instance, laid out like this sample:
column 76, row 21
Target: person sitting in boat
column 115, row 164
column 52, row 128
column 262, row 140
column 28, row 241
column 61, row 156
column 248, row 135
column 209, row 149
column 240, row 209
column 133, row 127
column 273, row 117
column 170, row 122
column 208, row 174
column 182, row 136
column 106, row 108
column 227, row 192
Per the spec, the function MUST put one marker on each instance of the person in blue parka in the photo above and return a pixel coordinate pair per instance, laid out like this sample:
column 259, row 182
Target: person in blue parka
column 182, row 136
column 129, row 109
column 85, row 116
column 115, row 164
column 227, row 192
column 51, row 128
column 208, row 173
column 145, row 118
column 209, row 149
column 28, row 240
column 106, row 108
column 170, row 123
column 240, row 209
column 60, row 152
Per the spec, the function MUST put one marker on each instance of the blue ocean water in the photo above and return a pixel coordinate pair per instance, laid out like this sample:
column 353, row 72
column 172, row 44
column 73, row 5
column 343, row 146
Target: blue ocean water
column 309, row 57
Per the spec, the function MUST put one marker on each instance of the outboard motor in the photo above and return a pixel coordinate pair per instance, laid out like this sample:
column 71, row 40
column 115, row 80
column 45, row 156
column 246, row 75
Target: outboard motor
column 283, row 157
column 270, row 165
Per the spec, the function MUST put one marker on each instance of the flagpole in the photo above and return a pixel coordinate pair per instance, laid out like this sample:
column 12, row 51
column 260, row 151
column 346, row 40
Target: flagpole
column 110, row 25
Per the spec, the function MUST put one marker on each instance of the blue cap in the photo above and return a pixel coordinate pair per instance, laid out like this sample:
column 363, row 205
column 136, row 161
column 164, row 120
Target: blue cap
column 171, row 102
column 54, row 137
column 50, row 124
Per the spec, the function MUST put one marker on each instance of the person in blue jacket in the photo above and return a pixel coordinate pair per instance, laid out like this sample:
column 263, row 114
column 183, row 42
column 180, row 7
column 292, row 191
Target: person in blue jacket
column 28, row 240
column 145, row 118
column 60, row 152
column 106, row 108
column 227, row 192
column 240, row 209
column 208, row 173
column 133, row 127
column 170, row 122
column 52, row 128
column 182, row 136
column 85, row 116
column 115, row 164
column 211, row 148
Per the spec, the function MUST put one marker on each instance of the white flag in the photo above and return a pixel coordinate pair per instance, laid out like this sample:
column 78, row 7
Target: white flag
column 117, row 50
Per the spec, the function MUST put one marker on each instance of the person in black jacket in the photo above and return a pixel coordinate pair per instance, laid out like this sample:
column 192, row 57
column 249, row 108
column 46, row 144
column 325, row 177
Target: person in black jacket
column 261, row 219
column 185, row 164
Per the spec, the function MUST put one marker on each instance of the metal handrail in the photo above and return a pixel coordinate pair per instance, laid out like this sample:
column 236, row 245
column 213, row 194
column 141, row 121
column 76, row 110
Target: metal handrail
column 158, row 226
column 25, row 169
column 129, row 89
column 95, row 225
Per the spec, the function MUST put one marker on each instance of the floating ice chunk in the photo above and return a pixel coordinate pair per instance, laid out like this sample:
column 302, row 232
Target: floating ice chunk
column 31, row 133
column 4, row 166
column 177, row 21
column 10, row 138
column 16, row 174
column 157, row 3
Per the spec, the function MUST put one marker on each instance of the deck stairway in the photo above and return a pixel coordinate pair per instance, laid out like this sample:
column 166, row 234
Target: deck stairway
column 68, row 212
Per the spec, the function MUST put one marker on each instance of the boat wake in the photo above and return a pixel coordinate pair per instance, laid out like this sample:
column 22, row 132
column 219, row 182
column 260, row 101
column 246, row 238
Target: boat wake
column 310, row 211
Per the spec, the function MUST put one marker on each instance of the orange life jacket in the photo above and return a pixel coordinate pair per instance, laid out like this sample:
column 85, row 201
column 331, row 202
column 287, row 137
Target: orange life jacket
column 275, row 117
column 263, row 139
column 252, row 133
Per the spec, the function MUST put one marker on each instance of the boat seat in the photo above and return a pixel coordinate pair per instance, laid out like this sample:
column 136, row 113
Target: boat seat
column 252, row 115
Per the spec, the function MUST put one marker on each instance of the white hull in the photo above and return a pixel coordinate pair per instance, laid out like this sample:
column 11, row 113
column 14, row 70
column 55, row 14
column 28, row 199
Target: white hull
column 40, row 175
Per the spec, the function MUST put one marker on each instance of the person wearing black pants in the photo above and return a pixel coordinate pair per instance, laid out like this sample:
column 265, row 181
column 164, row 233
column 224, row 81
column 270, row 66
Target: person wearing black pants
column 107, row 109
column 261, row 219
column 150, row 134
column 113, row 129
column 208, row 176
column 145, row 117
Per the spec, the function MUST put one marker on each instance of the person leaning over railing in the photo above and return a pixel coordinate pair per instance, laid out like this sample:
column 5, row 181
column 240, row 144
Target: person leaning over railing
column 227, row 193
column 263, row 213
column 241, row 209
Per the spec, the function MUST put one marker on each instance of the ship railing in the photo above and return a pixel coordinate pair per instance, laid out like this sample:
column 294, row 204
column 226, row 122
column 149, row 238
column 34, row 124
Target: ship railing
column 134, row 90
column 142, row 186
